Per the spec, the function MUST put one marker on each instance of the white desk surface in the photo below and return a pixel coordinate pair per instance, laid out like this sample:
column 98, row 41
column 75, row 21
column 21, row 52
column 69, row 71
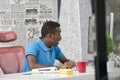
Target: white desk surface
column 56, row 76
column 20, row 76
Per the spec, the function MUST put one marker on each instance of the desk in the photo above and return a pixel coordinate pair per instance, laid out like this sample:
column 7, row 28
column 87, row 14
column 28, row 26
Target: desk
column 113, row 75
column 20, row 76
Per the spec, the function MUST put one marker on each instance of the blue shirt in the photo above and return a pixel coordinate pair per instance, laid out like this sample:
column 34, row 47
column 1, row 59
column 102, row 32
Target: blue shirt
column 44, row 55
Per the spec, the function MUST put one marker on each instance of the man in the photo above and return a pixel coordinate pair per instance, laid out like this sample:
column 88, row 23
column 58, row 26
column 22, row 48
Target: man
column 44, row 51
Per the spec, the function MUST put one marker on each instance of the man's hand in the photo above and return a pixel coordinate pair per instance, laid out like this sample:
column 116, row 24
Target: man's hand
column 68, row 65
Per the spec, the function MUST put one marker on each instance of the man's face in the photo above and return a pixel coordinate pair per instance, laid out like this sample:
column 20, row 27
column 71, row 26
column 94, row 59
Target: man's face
column 56, row 37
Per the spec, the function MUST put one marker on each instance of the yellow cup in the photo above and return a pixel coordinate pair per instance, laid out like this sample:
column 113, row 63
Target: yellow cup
column 66, row 72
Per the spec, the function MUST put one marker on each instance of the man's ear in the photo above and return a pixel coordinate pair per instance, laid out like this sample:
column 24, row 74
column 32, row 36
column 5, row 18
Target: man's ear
column 49, row 35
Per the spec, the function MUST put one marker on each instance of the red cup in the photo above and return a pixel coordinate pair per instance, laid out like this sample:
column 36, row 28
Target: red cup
column 81, row 67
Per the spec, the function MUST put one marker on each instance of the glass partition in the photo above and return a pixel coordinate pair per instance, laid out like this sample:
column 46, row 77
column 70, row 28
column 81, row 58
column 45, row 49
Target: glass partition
column 112, row 36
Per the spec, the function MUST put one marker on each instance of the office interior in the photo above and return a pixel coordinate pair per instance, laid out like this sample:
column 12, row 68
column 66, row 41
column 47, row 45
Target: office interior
column 78, row 29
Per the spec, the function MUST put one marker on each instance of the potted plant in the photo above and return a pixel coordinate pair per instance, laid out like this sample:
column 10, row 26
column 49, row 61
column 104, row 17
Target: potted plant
column 109, row 44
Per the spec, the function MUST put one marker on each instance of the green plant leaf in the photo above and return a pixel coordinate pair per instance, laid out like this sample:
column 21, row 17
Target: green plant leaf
column 109, row 44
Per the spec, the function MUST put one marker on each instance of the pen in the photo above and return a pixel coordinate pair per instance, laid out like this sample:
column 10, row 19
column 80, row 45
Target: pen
column 44, row 70
column 37, row 72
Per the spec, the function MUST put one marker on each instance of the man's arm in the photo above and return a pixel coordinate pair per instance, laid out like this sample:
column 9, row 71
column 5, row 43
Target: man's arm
column 32, row 62
column 63, row 59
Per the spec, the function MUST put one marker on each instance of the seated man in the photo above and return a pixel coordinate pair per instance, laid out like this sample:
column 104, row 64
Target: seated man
column 44, row 51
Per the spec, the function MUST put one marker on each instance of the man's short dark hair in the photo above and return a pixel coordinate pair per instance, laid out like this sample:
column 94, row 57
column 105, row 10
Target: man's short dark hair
column 49, row 27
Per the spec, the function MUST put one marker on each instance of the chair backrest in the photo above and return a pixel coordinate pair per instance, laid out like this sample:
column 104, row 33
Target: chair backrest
column 7, row 36
column 11, row 57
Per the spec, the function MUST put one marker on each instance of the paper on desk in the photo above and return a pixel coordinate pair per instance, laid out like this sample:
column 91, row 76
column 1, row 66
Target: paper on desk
column 44, row 70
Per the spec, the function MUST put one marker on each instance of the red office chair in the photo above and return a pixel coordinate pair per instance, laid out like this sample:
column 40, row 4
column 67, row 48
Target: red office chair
column 11, row 57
